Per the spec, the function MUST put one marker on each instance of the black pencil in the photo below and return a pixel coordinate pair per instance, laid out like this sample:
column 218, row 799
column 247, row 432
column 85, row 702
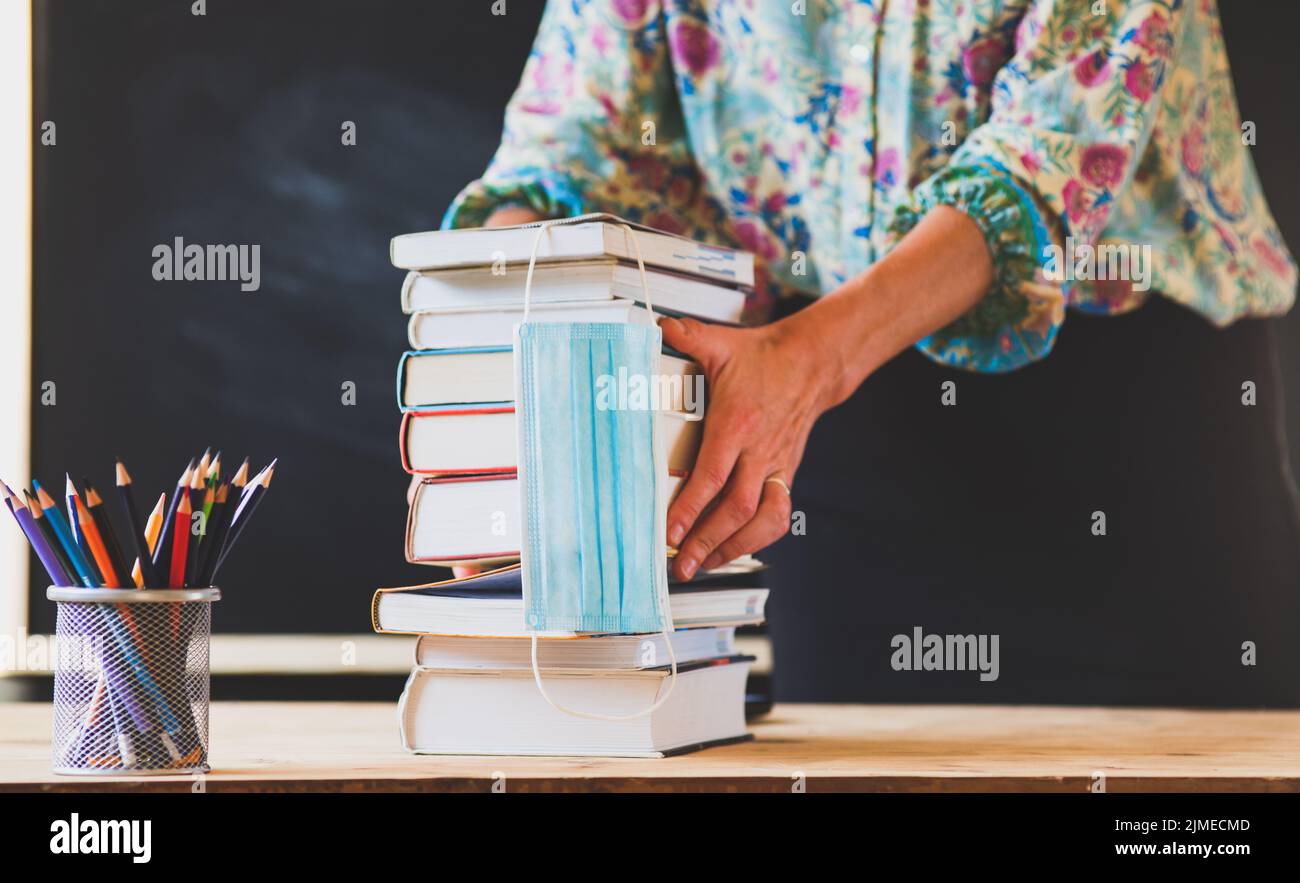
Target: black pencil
column 199, row 544
column 126, row 494
column 99, row 514
column 162, row 552
column 196, row 503
column 217, row 527
column 244, row 513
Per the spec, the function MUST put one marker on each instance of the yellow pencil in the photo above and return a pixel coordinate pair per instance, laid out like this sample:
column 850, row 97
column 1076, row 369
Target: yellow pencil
column 153, row 526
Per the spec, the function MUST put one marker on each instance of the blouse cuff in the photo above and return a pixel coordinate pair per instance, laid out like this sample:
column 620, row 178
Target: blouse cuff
column 1016, row 321
column 548, row 194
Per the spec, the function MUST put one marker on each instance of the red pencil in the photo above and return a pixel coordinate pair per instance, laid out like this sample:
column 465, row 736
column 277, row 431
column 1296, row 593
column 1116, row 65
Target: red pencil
column 180, row 541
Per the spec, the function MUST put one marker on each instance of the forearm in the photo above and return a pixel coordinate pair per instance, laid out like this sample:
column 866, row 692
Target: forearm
column 937, row 272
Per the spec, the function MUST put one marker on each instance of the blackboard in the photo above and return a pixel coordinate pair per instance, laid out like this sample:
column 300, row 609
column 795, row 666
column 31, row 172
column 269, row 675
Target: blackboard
column 227, row 128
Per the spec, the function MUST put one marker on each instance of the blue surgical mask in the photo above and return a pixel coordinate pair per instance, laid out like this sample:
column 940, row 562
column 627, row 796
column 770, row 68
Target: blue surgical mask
column 592, row 480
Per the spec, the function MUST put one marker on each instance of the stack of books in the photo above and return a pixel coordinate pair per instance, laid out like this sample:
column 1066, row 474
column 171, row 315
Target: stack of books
column 472, row 689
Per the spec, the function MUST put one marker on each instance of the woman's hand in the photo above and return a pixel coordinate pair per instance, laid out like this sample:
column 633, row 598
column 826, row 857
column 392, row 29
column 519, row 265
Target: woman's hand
column 766, row 387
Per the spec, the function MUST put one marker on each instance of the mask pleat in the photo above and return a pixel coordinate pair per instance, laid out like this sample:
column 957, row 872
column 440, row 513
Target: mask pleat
column 612, row 416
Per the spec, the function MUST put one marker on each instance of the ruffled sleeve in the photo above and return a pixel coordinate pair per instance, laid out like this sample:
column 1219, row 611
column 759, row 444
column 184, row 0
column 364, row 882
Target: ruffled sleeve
column 594, row 124
column 1071, row 113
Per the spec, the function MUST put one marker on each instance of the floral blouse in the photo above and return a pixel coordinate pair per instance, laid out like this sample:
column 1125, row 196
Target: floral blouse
column 815, row 133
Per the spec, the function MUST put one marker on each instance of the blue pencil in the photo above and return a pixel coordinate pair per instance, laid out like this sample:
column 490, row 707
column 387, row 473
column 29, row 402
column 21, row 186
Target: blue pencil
column 64, row 533
column 79, row 535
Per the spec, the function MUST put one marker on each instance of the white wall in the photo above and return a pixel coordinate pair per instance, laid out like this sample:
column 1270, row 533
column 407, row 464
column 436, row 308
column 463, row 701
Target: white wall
column 15, row 295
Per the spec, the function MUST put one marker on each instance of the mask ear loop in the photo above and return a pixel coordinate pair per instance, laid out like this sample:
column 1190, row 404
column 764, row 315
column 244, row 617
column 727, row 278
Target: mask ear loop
column 544, row 229
column 663, row 601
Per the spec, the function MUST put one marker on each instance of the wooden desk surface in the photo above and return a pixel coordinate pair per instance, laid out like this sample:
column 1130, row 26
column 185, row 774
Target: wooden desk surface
column 354, row 747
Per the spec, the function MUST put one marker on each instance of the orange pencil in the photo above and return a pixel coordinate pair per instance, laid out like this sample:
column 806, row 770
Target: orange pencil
column 180, row 541
column 137, row 575
column 93, row 539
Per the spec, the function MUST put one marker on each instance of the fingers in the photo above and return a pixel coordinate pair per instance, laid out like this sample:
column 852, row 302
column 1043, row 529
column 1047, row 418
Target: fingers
column 511, row 215
column 713, row 465
column 705, row 343
column 733, row 510
column 771, row 522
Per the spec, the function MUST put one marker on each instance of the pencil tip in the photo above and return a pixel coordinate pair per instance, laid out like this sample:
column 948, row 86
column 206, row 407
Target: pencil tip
column 123, row 477
column 43, row 495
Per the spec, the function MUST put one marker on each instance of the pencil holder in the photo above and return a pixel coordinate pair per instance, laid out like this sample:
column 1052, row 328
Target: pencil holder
column 131, row 680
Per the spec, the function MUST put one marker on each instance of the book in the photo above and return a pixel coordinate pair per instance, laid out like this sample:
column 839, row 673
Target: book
column 494, row 326
column 459, row 711
column 590, row 283
column 475, row 440
column 428, row 379
column 575, row 654
column 585, row 237
column 491, row 604
column 470, row 519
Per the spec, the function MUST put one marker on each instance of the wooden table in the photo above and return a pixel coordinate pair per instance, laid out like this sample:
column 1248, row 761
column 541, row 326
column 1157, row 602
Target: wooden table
column 353, row 747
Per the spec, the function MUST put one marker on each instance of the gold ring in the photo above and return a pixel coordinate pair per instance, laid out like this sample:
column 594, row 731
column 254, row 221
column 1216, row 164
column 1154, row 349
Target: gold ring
column 776, row 479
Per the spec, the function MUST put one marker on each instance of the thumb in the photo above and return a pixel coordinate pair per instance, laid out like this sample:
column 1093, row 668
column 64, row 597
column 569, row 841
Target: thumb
column 699, row 340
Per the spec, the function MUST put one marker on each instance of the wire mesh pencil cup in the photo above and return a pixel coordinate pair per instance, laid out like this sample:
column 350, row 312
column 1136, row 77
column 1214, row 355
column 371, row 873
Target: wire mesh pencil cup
column 131, row 680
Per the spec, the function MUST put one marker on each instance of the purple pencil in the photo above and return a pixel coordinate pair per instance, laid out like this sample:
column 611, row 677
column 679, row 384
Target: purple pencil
column 34, row 536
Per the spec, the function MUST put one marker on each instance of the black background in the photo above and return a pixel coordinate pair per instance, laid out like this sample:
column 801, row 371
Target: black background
column 226, row 129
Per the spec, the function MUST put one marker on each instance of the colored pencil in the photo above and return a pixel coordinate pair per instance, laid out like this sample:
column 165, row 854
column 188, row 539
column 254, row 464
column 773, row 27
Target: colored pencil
column 180, row 541
column 218, row 524
column 54, row 517
column 58, row 576
column 83, row 541
column 162, row 551
column 137, row 574
column 94, row 539
column 196, row 484
column 38, row 516
column 196, row 505
column 244, row 512
column 213, row 476
column 126, row 494
column 198, row 541
column 99, row 513
column 153, row 526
